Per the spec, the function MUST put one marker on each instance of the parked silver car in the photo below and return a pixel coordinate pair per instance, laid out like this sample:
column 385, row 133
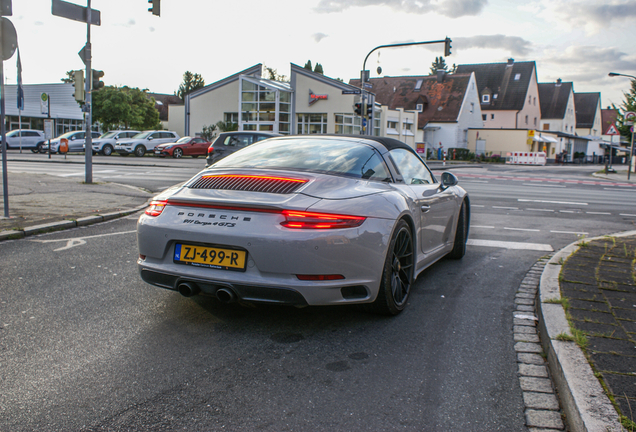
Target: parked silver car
column 144, row 142
column 105, row 144
column 229, row 142
column 31, row 139
column 76, row 140
column 306, row 220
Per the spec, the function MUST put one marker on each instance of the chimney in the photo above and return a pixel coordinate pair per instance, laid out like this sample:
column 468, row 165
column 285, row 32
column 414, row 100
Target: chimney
column 441, row 73
column 511, row 61
column 558, row 83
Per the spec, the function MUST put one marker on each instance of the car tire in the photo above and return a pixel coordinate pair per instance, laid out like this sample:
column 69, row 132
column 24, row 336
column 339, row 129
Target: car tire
column 177, row 153
column 107, row 150
column 36, row 149
column 40, row 148
column 459, row 246
column 397, row 275
column 140, row 150
column 195, row 156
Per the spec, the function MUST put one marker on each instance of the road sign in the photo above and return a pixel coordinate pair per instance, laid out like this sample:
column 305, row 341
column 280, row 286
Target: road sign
column 74, row 12
column 9, row 39
column 44, row 103
column 368, row 85
column 351, row 91
column 85, row 52
column 48, row 129
column 530, row 133
column 629, row 118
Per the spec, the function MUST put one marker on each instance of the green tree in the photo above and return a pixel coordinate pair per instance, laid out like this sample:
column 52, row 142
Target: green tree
column 440, row 63
column 272, row 74
column 308, row 65
column 190, row 83
column 209, row 132
column 70, row 77
column 226, row 126
column 629, row 104
column 318, row 69
column 125, row 107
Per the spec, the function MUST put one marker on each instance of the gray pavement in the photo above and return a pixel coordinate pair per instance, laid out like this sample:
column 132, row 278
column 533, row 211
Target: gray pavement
column 39, row 202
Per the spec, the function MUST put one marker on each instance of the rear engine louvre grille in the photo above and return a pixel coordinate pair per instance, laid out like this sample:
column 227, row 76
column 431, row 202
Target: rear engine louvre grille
column 249, row 183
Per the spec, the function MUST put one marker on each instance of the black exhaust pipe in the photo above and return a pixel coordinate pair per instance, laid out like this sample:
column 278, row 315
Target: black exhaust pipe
column 188, row 289
column 225, row 295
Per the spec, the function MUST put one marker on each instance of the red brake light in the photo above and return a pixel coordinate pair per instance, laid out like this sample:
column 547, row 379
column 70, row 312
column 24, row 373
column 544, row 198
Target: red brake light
column 310, row 220
column 156, row 207
column 210, row 149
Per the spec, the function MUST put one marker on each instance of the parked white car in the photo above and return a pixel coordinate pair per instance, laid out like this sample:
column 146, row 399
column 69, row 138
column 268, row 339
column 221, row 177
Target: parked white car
column 31, row 139
column 75, row 139
column 105, row 144
column 144, row 142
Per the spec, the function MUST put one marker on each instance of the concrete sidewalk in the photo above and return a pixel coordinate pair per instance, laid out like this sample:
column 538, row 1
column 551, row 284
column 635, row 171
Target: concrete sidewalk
column 39, row 203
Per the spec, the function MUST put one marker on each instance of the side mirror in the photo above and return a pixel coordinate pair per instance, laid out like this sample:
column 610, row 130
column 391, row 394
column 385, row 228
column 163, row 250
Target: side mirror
column 150, row 138
column 448, row 180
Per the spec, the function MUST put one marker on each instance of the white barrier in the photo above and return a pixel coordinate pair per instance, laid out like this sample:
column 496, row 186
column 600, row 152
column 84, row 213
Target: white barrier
column 526, row 158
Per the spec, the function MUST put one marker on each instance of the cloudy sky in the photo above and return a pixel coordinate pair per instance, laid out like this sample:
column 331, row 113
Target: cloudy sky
column 575, row 40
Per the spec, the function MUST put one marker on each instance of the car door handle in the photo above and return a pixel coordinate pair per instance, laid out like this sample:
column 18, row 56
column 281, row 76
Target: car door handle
column 425, row 208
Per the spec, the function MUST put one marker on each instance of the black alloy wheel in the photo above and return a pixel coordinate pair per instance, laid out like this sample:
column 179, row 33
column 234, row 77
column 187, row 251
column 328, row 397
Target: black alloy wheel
column 397, row 276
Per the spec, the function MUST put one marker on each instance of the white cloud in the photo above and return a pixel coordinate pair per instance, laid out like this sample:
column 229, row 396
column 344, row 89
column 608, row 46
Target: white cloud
column 318, row 37
column 449, row 8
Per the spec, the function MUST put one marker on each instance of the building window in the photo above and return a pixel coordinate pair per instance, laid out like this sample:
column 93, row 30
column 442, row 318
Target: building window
column 485, row 98
column 517, row 77
column 495, row 95
column 265, row 105
column 526, row 119
column 546, row 126
column 376, row 123
column 535, row 101
column 492, row 116
column 418, row 85
column 312, row 124
column 529, row 99
column 347, row 124
column 472, row 107
column 535, row 122
column 419, row 107
column 231, row 117
column 483, row 117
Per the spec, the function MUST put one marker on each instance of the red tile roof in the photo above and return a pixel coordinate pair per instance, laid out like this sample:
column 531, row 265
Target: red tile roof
column 442, row 100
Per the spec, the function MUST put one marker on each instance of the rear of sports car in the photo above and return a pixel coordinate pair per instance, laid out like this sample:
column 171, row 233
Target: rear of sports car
column 262, row 235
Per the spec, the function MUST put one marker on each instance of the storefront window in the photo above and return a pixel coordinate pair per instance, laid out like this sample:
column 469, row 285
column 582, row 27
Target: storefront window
column 347, row 124
column 312, row 124
column 265, row 105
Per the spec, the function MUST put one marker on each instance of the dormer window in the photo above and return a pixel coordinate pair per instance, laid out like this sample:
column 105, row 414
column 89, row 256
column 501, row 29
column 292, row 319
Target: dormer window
column 419, row 107
column 418, row 84
column 517, row 77
column 485, row 98
column 495, row 96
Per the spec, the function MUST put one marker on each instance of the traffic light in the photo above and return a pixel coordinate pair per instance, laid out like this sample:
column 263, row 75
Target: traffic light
column 447, row 47
column 97, row 84
column 369, row 110
column 357, row 108
column 78, row 83
column 155, row 7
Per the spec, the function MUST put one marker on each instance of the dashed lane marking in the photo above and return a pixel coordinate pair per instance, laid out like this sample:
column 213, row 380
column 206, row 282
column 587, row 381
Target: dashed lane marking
column 569, row 232
column 522, row 229
column 551, row 202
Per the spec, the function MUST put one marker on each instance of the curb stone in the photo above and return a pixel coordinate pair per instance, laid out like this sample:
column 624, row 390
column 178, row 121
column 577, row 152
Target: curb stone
column 586, row 406
column 542, row 412
column 66, row 224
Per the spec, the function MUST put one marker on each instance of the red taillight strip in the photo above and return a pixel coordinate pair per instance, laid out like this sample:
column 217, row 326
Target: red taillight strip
column 293, row 218
column 257, row 177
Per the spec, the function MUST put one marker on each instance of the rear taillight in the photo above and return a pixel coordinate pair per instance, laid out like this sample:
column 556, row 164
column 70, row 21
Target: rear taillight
column 156, row 207
column 210, row 149
column 310, row 220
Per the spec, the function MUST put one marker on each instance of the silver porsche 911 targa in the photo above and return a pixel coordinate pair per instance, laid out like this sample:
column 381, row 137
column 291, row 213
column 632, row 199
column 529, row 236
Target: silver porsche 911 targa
column 306, row 220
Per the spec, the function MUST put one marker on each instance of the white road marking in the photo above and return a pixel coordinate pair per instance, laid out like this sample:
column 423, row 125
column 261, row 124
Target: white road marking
column 78, row 241
column 522, row 229
column 482, row 226
column 510, row 245
column 543, row 185
column 567, row 211
column 598, row 213
column 569, row 232
column 551, row 202
column 543, row 210
column 475, row 205
column 506, row 208
column 622, row 214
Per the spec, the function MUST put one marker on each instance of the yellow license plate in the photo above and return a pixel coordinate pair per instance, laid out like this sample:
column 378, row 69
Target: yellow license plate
column 210, row 257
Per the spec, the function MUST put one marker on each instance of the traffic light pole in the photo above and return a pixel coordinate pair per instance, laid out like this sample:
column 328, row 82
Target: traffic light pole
column 88, row 143
column 447, row 52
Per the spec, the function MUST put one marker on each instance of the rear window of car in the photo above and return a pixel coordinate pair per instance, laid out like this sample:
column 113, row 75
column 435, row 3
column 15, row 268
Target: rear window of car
column 347, row 158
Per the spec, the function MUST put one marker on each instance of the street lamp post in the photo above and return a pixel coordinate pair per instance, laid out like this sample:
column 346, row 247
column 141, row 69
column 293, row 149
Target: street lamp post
column 363, row 74
column 631, row 149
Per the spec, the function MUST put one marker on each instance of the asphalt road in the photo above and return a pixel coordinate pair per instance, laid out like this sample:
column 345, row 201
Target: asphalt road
column 86, row 345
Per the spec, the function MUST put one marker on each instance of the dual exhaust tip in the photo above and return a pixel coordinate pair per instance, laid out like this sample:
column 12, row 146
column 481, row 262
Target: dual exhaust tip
column 189, row 289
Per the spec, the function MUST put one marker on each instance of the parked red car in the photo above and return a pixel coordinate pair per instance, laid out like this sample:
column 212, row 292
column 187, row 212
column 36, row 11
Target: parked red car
column 186, row 146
